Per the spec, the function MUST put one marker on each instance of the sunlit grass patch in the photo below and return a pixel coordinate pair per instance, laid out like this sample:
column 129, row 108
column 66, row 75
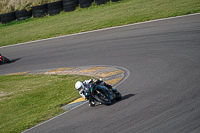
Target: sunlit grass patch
column 27, row 100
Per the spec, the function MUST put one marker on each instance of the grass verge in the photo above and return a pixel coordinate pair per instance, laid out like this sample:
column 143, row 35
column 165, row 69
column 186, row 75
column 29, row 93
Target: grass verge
column 27, row 100
column 95, row 17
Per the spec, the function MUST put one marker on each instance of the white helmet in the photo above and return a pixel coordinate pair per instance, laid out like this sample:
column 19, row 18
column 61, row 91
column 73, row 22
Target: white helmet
column 79, row 85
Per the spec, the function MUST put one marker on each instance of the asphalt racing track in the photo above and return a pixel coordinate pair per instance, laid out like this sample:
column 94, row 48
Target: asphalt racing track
column 161, row 94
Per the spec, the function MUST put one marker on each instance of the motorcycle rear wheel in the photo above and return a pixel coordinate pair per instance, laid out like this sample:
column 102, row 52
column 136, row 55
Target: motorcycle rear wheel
column 102, row 98
column 118, row 96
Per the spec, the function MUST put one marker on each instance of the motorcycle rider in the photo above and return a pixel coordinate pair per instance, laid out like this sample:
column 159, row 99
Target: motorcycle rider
column 83, row 88
column 3, row 59
column 0, row 58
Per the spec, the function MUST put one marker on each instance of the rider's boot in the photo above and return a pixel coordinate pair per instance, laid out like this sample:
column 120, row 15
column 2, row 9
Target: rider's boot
column 92, row 102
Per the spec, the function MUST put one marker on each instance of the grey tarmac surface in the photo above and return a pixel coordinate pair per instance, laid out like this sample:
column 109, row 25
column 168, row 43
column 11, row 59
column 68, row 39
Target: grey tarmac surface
column 161, row 94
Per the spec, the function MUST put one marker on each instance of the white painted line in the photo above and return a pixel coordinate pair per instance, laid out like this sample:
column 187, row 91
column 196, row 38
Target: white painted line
column 126, row 76
column 101, row 30
column 54, row 117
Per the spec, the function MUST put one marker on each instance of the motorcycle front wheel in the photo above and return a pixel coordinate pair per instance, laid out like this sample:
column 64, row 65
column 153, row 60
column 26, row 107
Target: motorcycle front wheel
column 102, row 98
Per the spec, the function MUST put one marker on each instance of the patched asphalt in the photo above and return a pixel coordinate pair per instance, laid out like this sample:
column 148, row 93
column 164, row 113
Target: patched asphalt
column 110, row 74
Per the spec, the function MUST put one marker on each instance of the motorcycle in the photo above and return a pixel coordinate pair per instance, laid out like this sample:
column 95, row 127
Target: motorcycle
column 3, row 59
column 95, row 94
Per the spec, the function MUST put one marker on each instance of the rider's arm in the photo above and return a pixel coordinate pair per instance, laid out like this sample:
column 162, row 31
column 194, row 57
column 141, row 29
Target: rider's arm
column 81, row 92
column 89, row 81
column 101, row 82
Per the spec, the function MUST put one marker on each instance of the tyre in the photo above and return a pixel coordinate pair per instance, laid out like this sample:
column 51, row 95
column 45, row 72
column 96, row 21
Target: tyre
column 118, row 96
column 115, row 0
column 69, row 8
column 64, row 1
column 100, row 2
column 8, row 17
column 54, row 12
column 22, row 18
column 55, row 7
column 70, row 5
column 85, row 3
column 5, row 60
column 71, row 2
column 39, row 7
column 23, row 14
column 102, row 98
column 39, row 11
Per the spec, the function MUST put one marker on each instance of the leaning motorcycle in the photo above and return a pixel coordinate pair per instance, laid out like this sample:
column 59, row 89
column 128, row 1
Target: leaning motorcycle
column 95, row 95
column 3, row 59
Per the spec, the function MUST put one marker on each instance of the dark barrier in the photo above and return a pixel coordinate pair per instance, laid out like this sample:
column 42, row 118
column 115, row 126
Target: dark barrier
column 23, row 14
column 55, row 7
column 85, row 3
column 39, row 11
column 115, row 0
column 70, row 5
column 8, row 17
column 51, row 8
column 100, row 2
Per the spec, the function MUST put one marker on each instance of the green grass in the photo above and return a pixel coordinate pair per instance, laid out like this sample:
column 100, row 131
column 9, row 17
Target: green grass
column 27, row 100
column 95, row 17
